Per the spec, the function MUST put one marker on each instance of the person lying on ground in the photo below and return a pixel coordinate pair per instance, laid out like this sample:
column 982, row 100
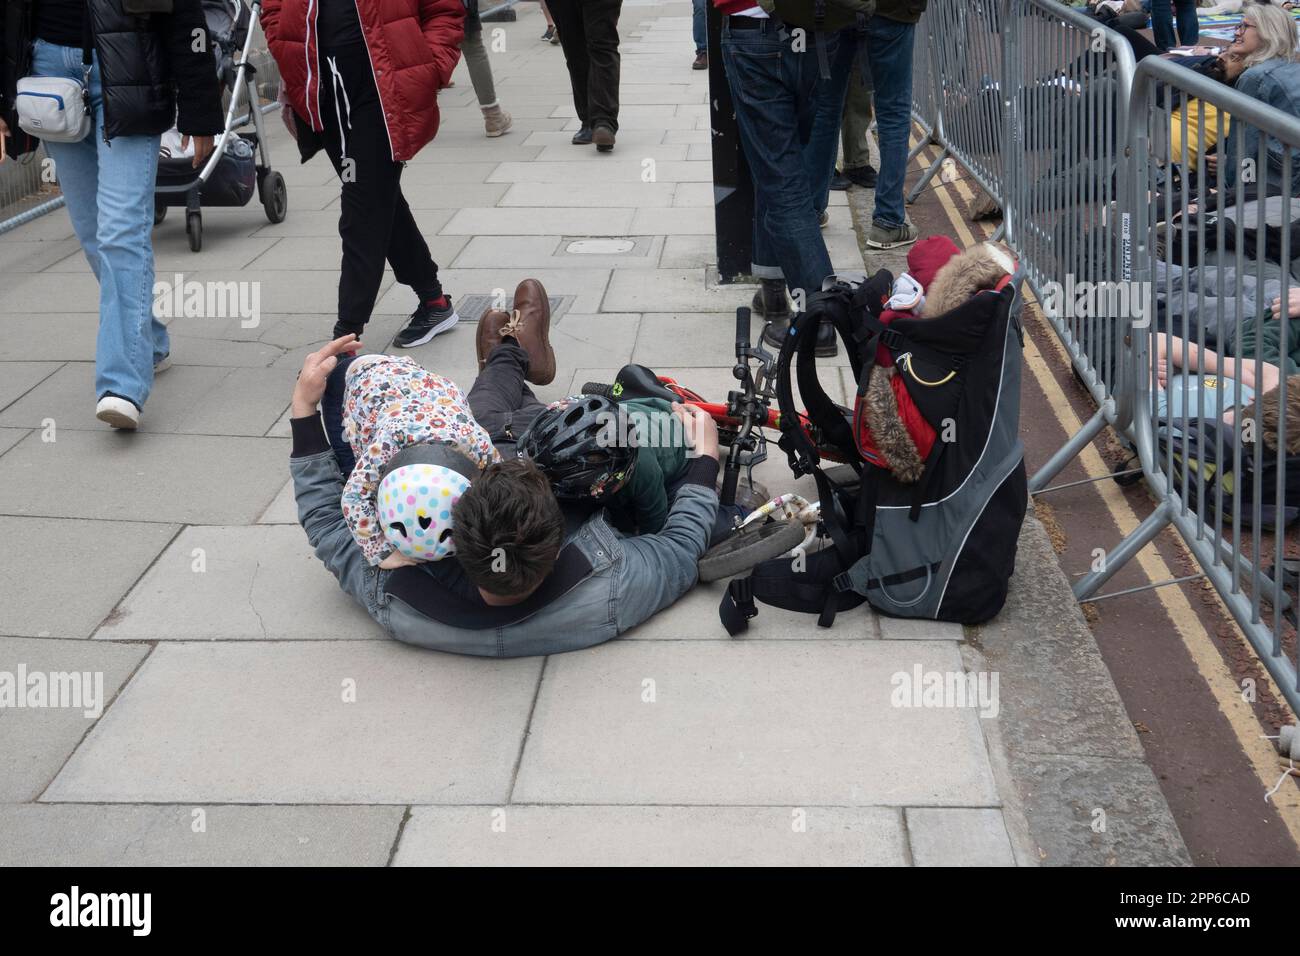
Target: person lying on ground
column 526, row 578
column 1239, row 379
column 628, row 457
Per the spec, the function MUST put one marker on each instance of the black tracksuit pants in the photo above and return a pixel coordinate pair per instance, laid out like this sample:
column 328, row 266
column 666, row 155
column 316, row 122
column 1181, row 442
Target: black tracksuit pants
column 375, row 222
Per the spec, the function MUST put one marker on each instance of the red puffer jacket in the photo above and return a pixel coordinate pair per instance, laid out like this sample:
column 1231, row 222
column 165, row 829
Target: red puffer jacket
column 413, row 46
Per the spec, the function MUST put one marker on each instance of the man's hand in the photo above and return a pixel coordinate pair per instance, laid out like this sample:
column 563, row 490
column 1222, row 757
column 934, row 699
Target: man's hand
column 701, row 430
column 396, row 559
column 202, row 148
column 316, row 368
column 1292, row 305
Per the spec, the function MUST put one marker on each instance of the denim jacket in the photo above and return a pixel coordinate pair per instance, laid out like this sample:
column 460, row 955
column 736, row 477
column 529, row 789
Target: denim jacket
column 1277, row 83
column 622, row 582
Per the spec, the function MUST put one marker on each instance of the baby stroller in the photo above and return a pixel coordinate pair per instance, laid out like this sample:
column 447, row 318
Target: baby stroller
column 232, row 173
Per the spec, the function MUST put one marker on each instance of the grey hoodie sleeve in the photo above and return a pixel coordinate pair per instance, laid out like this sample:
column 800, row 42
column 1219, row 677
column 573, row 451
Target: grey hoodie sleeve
column 657, row 569
column 317, row 487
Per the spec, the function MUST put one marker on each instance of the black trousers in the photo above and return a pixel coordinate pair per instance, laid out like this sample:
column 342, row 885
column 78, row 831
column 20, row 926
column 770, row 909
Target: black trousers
column 375, row 222
column 501, row 400
column 589, row 37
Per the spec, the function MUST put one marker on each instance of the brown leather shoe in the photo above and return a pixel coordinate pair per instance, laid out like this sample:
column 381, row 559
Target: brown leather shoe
column 489, row 334
column 530, row 326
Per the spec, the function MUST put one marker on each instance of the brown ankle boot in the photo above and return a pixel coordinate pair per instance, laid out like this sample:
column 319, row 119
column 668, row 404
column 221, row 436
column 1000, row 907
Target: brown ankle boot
column 488, row 336
column 530, row 326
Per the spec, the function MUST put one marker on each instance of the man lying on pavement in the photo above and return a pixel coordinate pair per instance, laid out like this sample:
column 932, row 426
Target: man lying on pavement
column 550, row 591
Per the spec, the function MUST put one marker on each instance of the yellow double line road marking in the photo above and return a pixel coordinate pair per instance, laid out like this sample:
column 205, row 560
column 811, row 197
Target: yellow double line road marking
column 1188, row 626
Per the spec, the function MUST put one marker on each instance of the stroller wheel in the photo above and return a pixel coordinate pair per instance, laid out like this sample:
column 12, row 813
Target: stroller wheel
column 159, row 213
column 194, row 229
column 275, row 196
column 751, row 545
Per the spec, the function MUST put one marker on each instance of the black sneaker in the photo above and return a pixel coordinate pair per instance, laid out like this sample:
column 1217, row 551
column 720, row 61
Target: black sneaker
column 582, row 137
column 827, row 342
column 429, row 319
column 840, row 182
column 864, row 176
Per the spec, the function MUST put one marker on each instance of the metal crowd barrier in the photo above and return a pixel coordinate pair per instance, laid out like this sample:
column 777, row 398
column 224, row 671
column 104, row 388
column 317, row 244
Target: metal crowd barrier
column 923, row 108
column 1157, row 287
column 1212, row 246
column 965, row 67
column 1068, row 80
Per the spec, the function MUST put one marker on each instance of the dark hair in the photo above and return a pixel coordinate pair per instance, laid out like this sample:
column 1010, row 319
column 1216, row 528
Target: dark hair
column 508, row 528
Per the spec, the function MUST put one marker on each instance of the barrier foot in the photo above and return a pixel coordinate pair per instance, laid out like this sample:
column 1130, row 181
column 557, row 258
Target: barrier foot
column 1067, row 453
column 1120, row 555
column 927, row 176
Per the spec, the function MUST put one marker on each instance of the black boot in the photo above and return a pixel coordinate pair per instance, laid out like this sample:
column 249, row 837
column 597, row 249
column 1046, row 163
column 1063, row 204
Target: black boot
column 770, row 301
column 827, row 344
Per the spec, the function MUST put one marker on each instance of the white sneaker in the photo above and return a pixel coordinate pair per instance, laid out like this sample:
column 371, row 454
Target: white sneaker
column 163, row 364
column 118, row 412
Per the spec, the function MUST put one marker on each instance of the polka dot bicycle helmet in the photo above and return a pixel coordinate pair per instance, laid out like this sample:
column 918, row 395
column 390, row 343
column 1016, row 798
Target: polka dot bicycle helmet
column 417, row 491
column 581, row 447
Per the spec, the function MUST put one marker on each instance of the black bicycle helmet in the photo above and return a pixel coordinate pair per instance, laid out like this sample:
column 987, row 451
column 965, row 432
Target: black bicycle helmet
column 580, row 445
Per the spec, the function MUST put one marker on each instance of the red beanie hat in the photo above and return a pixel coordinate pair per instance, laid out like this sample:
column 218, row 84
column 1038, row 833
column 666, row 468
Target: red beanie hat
column 928, row 256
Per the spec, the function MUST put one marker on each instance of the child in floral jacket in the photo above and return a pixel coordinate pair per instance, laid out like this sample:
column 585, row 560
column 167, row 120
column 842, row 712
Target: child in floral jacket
column 389, row 404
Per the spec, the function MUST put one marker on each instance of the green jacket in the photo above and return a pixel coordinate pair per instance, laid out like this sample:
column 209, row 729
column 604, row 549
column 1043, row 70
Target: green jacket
column 641, row 506
column 1267, row 332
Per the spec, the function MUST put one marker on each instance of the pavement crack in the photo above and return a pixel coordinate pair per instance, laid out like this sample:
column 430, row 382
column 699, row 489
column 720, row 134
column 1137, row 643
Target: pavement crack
column 252, row 605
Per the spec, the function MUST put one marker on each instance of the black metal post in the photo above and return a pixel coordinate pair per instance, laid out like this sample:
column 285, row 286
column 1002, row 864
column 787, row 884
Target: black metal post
column 733, row 190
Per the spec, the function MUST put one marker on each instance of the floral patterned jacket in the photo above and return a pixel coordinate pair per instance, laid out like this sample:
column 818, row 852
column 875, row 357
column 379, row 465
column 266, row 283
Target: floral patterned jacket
column 390, row 403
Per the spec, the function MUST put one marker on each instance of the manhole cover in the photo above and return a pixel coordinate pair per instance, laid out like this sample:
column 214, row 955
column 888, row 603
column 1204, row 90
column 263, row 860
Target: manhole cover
column 471, row 307
column 600, row 247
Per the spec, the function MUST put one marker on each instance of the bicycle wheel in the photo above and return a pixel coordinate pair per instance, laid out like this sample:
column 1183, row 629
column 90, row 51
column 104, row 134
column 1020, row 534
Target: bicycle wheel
column 753, row 544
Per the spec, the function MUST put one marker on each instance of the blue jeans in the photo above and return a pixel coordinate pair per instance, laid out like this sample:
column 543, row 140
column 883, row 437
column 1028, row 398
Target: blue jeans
column 889, row 47
column 1162, row 22
column 109, row 188
column 699, row 25
column 824, row 141
column 775, row 91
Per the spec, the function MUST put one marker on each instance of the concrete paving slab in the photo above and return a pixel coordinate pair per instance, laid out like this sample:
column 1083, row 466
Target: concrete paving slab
column 689, row 252
column 324, row 253
column 651, row 836
column 958, row 836
column 115, row 476
column 238, row 584
column 748, row 723
column 10, row 437
column 501, row 221
column 52, row 337
column 283, row 510
column 594, row 340
column 39, row 603
column 24, row 256
column 670, row 290
column 613, row 170
column 268, row 723
column 549, row 252
column 35, row 741
column 911, row 629
column 676, row 221
column 72, row 835
column 19, row 378
column 592, row 195
column 186, row 399
column 325, row 222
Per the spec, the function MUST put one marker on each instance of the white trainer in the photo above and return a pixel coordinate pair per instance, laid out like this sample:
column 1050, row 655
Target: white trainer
column 118, row 412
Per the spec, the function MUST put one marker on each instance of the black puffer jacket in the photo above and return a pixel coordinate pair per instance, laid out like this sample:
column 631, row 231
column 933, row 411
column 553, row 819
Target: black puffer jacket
column 151, row 67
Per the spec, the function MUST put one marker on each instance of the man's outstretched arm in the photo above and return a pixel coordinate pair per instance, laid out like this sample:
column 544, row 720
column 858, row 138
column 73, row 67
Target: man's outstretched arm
column 317, row 484
column 659, row 568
